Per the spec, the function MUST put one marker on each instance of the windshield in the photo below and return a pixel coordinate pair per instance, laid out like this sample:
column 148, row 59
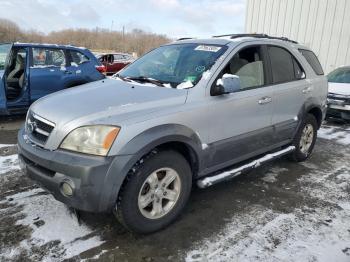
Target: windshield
column 340, row 75
column 176, row 66
column 4, row 50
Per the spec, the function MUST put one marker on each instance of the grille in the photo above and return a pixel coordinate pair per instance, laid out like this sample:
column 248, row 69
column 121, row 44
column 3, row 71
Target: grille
column 341, row 99
column 38, row 128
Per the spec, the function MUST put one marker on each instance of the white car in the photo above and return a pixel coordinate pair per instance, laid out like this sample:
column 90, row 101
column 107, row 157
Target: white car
column 339, row 93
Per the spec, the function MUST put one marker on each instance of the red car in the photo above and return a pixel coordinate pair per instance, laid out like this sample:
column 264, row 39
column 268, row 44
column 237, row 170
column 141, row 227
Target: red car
column 115, row 61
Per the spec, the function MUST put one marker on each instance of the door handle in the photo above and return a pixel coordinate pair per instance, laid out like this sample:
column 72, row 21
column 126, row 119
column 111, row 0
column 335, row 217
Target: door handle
column 307, row 90
column 68, row 72
column 265, row 100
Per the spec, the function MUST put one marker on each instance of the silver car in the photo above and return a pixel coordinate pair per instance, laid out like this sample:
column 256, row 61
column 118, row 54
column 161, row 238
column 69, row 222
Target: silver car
column 339, row 93
column 190, row 111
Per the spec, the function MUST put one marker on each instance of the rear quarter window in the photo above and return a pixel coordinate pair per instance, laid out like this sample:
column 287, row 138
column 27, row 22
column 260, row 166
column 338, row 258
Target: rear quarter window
column 312, row 59
column 77, row 58
column 284, row 66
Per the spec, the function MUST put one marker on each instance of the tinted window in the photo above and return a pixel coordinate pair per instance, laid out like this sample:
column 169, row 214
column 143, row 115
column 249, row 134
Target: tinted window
column 340, row 75
column 43, row 57
column 77, row 58
column 282, row 65
column 298, row 70
column 312, row 59
column 248, row 65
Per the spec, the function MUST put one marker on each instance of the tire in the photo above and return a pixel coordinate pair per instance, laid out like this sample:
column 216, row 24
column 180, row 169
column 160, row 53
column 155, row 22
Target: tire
column 145, row 184
column 303, row 142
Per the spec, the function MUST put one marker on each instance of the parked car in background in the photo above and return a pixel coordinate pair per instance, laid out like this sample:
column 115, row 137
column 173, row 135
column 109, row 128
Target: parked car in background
column 114, row 62
column 134, row 143
column 31, row 71
column 339, row 93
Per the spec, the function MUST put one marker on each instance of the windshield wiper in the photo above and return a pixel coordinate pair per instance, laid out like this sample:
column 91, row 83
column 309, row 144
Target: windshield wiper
column 145, row 79
column 121, row 77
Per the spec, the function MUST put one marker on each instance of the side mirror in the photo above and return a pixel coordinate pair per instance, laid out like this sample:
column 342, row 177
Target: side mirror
column 226, row 85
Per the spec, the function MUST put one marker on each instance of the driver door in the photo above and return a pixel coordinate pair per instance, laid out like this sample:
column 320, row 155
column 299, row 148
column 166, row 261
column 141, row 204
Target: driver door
column 241, row 122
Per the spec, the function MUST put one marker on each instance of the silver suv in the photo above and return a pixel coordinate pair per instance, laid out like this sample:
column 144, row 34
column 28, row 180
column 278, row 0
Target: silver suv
column 193, row 110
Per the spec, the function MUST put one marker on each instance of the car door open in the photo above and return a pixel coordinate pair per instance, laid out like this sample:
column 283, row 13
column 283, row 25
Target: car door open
column 5, row 49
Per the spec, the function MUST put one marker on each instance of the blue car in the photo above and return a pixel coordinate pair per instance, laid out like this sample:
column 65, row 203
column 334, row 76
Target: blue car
column 31, row 71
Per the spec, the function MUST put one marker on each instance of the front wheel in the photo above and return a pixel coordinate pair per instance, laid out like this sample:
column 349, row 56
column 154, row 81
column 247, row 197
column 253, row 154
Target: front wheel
column 305, row 138
column 155, row 193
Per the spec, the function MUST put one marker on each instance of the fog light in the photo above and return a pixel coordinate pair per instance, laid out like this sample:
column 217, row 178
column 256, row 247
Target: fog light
column 66, row 189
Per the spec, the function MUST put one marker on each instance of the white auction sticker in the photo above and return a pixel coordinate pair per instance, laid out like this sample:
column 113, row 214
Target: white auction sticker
column 208, row 48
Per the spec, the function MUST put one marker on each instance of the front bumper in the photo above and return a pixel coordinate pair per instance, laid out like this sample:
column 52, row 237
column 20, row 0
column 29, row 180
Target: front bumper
column 90, row 176
column 338, row 109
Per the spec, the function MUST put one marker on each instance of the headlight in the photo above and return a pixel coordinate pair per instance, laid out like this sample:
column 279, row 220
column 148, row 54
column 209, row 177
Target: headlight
column 95, row 140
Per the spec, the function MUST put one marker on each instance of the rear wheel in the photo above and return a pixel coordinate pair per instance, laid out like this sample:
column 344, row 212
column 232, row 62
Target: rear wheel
column 305, row 138
column 155, row 193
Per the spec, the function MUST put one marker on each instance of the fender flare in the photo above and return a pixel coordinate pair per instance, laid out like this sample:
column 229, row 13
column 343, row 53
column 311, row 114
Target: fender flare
column 138, row 147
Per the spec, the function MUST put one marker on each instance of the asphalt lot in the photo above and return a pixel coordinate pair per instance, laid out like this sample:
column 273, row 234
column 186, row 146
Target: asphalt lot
column 283, row 211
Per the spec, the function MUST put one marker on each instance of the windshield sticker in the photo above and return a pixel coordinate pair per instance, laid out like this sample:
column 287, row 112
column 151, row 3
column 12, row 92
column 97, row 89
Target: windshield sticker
column 200, row 69
column 190, row 78
column 208, row 48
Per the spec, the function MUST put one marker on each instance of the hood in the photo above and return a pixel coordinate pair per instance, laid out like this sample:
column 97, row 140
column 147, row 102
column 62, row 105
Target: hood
column 339, row 88
column 99, row 101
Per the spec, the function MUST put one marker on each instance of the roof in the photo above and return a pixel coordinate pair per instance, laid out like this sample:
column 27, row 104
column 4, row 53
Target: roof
column 208, row 41
column 47, row 45
column 237, row 38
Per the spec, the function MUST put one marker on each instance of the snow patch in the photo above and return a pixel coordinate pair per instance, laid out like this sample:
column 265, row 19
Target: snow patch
column 8, row 163
column 6, row 145
column 49, row 219
column 184, row 85
column 330, row 133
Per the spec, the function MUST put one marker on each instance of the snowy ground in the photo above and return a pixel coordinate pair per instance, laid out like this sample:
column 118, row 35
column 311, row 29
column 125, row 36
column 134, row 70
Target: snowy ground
column 281, row 212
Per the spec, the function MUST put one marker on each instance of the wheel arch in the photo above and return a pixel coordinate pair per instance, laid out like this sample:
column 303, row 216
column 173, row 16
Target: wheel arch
column 165, row 137
column 317, row 113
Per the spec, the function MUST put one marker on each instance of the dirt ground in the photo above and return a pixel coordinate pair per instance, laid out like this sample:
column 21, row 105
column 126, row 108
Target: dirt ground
column 283, row 211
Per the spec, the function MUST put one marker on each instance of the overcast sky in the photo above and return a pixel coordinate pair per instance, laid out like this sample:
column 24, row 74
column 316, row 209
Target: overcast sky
column 174, row 18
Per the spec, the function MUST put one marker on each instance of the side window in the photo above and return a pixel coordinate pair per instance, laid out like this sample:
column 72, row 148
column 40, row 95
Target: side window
column 248, row 65
column 43, row 57
column 118, row 57
column 312, row 59
column 77, row 58
column 282, row 65
column 298, row 70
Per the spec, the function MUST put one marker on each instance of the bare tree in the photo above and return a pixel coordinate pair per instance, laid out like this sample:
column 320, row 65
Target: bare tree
column 98, row 38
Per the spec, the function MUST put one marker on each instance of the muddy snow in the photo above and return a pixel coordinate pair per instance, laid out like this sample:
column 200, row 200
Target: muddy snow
column 52, row 231
column 284, row 211
column 316, row 232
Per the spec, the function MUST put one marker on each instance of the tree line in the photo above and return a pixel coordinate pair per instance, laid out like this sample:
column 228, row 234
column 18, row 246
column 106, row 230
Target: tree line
column 101, row 39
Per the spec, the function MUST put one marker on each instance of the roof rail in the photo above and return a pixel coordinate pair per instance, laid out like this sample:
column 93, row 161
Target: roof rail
column 233, row 36
column 184, row 38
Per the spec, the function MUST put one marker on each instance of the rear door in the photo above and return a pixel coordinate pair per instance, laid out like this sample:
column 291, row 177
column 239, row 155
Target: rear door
column 47, row 71
column 5, row 50
column 78, row 68
column 290, row 91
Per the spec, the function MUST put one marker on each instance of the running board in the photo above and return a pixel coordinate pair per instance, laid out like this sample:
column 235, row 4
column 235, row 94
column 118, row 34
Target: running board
column 226, row 175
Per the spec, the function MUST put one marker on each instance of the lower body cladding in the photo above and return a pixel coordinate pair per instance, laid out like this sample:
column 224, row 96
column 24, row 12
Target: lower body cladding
column 84, row 182
column 338, row 111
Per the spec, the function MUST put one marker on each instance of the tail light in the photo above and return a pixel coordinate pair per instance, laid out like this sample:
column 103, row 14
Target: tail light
column 101, row 68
